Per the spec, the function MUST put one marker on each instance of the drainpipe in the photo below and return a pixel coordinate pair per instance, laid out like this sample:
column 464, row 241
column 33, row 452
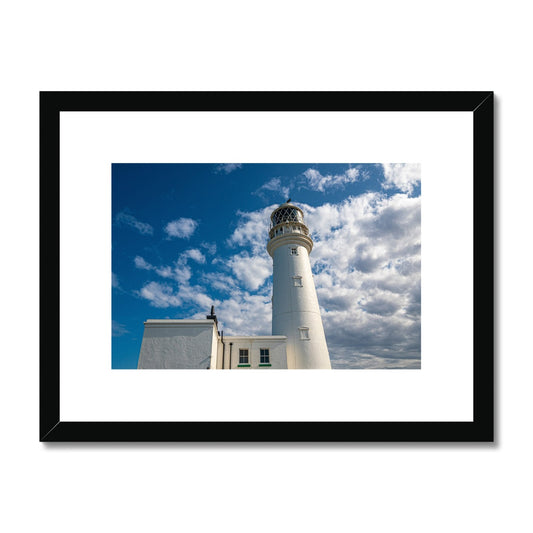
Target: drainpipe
column 230, row 347
column 223, row 348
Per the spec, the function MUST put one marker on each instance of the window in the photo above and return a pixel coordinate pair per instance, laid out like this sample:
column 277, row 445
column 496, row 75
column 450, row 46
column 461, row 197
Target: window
column 297, row 280
column 294, row 251
column 243, row 357
column 304, row 334
column 264, row 355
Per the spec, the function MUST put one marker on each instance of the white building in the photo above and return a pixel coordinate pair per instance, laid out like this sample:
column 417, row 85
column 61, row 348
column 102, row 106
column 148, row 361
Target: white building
column 297, row 340
column 198, row 344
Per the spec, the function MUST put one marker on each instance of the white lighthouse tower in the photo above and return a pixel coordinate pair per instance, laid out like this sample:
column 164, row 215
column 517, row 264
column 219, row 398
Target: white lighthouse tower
column 295, row 310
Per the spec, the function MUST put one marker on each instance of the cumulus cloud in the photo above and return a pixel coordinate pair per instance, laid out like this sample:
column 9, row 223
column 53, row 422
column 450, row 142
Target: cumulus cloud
column 168, row 294
column 366, row 265
column 253, row 265
column 220, row 282
column 179, row 271
column 245, row 313
column 252, row 271
column 366, row 261
column 403, row 176
column 181, row 228
column 252, row 230
column 210, row 247
column 318, row 182
column 163, row 295
column 126, row 219
column 227, row 168
column 194, row 254
column 273, row 185
column 141, row 263
column 160, row 295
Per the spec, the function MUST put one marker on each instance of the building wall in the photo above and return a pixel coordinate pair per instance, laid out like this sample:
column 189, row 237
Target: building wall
column 195, row 344
column 179, row 344
column 275, row 344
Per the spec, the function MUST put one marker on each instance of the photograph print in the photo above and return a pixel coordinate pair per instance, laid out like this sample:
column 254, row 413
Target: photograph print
column 266, row 266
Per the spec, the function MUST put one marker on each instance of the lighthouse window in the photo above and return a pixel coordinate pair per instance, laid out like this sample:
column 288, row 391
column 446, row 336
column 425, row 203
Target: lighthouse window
column 264, row 354
column 294, row 251
column 243, row 357
column 304, row 334
column 297, row 280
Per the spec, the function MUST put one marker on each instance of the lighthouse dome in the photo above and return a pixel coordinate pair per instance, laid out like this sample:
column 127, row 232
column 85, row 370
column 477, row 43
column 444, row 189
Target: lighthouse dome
column 286, row 212
column 287, row 226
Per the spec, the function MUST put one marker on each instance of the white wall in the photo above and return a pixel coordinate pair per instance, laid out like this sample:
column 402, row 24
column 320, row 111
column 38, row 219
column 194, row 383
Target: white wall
column 276, row 345
column 372, row 488
column 185, row 344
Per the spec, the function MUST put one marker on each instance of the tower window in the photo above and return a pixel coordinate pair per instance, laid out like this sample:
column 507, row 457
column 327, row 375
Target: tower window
column 243, row 356
column 264, row 355
column 304, row 334
column 297, row 281
column 294, row 251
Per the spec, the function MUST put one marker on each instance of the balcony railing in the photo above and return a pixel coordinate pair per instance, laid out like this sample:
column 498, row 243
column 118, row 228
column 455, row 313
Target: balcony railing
column 288, row 227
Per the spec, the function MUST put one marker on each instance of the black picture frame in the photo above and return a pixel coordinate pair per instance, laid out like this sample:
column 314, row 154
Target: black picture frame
column 481, row 429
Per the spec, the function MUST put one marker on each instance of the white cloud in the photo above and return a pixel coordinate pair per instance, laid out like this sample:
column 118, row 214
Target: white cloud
column 196, row 295
column 160, row 295
column 126, row 219
column 245, row 314
column 194, row 254
column 163, row 295
column 318, row 182
column 366, row 261
column 403, row 176
column 181, row 273
column 220, row 282
column 182, row 228
column 211, row 247
column 227, row 168
column 273, row 185
column 366, row 264
column 141, row 263
column 117, row 329
column 252, row 230
column 253, row 265
column 252, row 271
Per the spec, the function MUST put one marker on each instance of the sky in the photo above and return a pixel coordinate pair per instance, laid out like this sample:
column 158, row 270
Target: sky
column 189, row 236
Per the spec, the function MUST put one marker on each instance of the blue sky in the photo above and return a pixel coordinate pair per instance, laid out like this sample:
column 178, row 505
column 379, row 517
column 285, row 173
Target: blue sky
column 188, row 236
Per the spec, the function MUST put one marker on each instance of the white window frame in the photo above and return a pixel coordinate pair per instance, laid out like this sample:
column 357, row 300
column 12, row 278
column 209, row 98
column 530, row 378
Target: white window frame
column 304, row 334
column 293, row 251
column 297, row 281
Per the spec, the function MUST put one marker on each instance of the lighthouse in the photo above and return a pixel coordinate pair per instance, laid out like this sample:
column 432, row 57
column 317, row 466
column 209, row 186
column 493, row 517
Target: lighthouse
column 297, row 339
column 295, row 309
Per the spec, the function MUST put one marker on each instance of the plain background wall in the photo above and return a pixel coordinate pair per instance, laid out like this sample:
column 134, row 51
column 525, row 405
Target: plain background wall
column 182, row 346
column 275, row 45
